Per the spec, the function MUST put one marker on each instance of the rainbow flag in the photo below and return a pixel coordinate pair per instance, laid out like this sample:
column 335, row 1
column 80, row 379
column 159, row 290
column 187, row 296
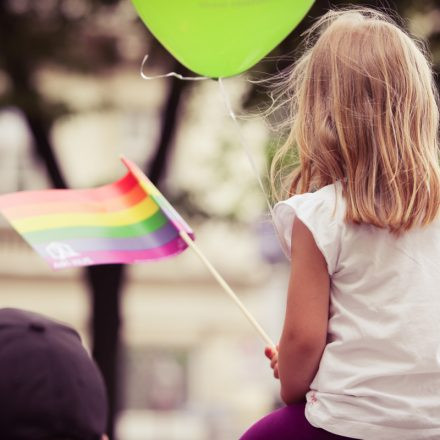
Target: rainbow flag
column 127, row 221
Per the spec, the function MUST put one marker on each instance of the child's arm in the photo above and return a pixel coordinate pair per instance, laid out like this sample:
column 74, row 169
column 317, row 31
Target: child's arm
column 305, row 326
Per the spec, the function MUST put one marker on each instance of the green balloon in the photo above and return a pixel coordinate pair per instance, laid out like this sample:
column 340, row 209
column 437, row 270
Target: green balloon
column 221, row 38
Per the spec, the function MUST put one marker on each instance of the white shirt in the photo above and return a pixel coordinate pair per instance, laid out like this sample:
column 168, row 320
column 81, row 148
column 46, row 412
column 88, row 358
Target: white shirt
column 379, row 375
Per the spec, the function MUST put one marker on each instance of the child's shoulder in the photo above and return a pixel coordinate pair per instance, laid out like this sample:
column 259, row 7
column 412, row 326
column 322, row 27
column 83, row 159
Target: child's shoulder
column 322, row 212
column 326, row 202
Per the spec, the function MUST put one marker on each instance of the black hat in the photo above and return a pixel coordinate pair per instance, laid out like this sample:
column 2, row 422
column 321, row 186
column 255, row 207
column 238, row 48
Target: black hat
column 49, row 386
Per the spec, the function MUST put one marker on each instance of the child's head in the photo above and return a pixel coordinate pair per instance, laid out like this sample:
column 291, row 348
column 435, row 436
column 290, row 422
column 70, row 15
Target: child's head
column 364, row 112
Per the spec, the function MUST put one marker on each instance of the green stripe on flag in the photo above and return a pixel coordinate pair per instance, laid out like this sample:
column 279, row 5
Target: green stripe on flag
column 133, row 230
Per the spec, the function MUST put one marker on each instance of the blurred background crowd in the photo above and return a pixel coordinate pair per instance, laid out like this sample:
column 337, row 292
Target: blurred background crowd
column 179, row 360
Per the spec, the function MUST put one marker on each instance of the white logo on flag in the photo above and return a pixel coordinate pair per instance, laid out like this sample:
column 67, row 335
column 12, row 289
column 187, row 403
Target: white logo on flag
column 60, row 251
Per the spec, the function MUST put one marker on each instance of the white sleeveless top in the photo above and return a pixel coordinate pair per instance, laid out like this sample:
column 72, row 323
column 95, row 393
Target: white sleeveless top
column 379, row 375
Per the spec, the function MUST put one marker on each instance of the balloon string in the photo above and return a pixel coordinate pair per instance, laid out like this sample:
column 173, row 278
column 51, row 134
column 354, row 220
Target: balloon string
column 244, row 144
column 231, row 114
column 167, row 75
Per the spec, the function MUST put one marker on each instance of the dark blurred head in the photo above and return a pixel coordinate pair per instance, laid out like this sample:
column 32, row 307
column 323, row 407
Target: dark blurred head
column 49, row 386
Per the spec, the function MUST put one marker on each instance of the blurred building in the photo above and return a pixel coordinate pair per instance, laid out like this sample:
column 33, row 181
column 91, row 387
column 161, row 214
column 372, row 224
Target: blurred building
column 192, row 367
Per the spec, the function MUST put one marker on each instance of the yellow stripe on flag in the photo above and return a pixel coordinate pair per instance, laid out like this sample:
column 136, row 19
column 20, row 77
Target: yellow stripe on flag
column 135, row 214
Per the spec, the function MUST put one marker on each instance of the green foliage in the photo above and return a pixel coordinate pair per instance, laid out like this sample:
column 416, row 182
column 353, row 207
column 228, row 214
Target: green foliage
column 72, row 35
column 285, row 165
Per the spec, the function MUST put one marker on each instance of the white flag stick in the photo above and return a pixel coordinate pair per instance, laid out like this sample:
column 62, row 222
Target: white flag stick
column 226, row 287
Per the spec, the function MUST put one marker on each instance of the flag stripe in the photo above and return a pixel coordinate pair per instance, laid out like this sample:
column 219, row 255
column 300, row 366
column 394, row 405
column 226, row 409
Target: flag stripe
column 100, row 195
column 134, row 214
column 134, row 230
column 108, row 257
column 154, row 240
column 133, row 197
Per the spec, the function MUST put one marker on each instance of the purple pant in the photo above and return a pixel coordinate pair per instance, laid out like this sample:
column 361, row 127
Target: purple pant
column 288, row 423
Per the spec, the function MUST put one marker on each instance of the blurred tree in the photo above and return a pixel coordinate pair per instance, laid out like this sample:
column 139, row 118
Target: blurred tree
column 44, row 33
column 420, row 18
column 71, row 34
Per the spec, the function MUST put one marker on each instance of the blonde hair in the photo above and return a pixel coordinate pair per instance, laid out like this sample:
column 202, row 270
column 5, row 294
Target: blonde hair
column 363, row 111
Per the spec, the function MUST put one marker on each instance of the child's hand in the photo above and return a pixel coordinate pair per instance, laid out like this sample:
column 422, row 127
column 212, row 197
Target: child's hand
column 272, row 354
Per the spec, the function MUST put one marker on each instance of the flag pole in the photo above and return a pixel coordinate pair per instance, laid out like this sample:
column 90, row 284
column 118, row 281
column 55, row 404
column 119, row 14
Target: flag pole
column 226, row 287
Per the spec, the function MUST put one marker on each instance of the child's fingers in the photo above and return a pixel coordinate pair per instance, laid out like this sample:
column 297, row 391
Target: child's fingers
column 269, row 352
column 272, row 354
column 274, row 362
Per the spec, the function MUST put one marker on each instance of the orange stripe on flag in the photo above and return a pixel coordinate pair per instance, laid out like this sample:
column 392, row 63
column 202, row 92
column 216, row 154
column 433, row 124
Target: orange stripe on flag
column 133, row 197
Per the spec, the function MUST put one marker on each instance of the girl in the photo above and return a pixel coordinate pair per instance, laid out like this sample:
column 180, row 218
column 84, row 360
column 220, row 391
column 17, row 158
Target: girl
column 361, row 337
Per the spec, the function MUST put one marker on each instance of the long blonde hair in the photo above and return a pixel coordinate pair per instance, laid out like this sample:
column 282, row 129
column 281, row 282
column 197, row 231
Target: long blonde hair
column 363, row 111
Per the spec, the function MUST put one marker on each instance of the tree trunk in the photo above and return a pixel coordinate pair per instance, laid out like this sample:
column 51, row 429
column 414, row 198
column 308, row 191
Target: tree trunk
column 40, row 133
column 157, row 167
column 106, row 283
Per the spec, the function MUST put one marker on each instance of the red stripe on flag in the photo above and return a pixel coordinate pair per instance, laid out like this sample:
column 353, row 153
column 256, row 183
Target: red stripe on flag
column 111, row 191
